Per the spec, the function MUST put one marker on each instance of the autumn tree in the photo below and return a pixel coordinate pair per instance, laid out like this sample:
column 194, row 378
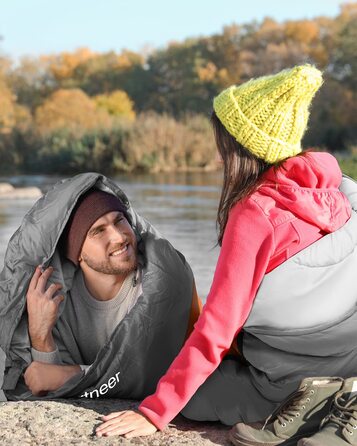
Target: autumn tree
column 116, row 104
column 182, row 79
column 107, row 72
column 70, row 109
column 31, row 81
column 7, row 108
column 67, row 106
column 62, row 65
column 333, row 122
column 344, row 58
column 15, row 122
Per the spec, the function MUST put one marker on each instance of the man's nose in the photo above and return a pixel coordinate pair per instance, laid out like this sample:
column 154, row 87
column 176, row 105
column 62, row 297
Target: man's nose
column 117, row 234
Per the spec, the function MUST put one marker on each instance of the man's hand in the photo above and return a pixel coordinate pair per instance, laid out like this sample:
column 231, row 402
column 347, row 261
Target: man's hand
column 128, row 423
column 41, row 377
column 42, row 309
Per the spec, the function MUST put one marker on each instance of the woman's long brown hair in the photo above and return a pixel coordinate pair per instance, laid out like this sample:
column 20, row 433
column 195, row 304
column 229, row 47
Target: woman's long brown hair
column 242, row 173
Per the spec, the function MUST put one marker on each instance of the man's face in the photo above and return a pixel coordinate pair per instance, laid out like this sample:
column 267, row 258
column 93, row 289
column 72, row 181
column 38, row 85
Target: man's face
column 110, row 245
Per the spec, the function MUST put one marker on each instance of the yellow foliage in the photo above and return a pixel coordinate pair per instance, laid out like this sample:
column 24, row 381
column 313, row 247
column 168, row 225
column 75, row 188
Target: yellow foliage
column 7, row 108
column 70, row 109
column 348, row 10
column 117, row 103
column 5, row 65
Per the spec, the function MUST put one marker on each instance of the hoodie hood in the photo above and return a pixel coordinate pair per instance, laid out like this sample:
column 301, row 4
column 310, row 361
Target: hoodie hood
column 308, row 186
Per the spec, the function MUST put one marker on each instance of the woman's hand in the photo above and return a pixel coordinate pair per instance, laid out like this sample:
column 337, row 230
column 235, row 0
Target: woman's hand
column 128, row 423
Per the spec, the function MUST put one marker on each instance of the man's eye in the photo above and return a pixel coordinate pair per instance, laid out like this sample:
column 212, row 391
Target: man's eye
column 120, row 220
column 98, row 231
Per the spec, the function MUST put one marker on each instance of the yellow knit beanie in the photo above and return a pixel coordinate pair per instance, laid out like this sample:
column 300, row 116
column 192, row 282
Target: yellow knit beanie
column 268, row 115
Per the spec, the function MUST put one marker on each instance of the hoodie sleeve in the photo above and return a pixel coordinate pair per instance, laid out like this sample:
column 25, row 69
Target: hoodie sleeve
column 48, row 357
column 247, row 246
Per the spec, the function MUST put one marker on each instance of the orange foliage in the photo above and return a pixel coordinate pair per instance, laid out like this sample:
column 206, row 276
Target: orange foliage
column 71, row 109
column 7, row 108
column 207, row 73
column 305, row 31
column 63, row 65
column 127, row 59
column 348, row 10
column 23, row 117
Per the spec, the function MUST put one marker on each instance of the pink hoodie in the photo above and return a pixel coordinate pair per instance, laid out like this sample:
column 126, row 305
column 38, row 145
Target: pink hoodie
column 294, row 207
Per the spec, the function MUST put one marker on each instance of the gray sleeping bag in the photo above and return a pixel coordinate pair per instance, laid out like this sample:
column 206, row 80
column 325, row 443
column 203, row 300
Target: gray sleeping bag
column 143, row 344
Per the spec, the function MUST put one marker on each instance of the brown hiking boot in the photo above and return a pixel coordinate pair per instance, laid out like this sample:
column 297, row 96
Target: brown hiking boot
column 339, row 427
column 297, row 417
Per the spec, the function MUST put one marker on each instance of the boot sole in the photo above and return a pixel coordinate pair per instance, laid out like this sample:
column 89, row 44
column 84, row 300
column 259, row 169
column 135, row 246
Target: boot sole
column 287, row 442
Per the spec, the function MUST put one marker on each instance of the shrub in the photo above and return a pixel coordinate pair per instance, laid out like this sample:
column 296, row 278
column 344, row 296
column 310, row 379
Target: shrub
column 160, row 143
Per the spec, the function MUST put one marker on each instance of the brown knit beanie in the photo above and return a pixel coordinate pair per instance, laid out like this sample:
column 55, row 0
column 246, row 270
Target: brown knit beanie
column 91, row 205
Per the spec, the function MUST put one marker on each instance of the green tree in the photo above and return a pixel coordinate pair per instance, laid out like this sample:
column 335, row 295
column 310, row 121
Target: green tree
column 333, row 121
column 183, row 79
column 344, row 59
column 31, row 81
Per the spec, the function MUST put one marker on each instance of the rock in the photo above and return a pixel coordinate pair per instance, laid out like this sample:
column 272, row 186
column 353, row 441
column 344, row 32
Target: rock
column 5, row 188
column 72, row 422
column 8, row 191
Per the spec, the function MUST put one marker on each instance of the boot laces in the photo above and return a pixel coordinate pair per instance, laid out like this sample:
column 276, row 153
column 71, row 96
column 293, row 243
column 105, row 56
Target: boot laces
column 342, row 413
column 291, row 408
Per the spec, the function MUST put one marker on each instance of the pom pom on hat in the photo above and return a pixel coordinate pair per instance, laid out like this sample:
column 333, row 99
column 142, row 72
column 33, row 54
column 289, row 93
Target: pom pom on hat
column 268, row 115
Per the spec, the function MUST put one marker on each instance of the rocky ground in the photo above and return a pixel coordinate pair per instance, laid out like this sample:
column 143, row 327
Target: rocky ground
column 72, row 422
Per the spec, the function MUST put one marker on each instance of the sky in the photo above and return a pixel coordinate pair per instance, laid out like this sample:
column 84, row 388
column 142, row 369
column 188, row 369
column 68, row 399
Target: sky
column 35, row 27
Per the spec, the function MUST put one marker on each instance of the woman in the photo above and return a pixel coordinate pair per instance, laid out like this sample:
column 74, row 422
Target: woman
column 275, row 203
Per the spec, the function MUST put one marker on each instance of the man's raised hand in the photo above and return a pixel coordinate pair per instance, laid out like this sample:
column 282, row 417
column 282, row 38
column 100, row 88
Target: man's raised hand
column 42, row 309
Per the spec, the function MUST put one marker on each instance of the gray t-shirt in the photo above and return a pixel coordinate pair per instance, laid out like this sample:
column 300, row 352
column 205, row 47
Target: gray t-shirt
column 93, row 321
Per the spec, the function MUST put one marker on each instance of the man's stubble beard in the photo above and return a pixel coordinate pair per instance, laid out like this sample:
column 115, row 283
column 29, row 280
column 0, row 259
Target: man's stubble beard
column 106, row 268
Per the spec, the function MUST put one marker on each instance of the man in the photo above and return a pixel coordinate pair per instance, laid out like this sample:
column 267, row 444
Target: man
column 110, row 310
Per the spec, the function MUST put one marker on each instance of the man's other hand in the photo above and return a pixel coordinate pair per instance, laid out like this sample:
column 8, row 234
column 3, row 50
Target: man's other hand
column 41, row 377
column 42, row 309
